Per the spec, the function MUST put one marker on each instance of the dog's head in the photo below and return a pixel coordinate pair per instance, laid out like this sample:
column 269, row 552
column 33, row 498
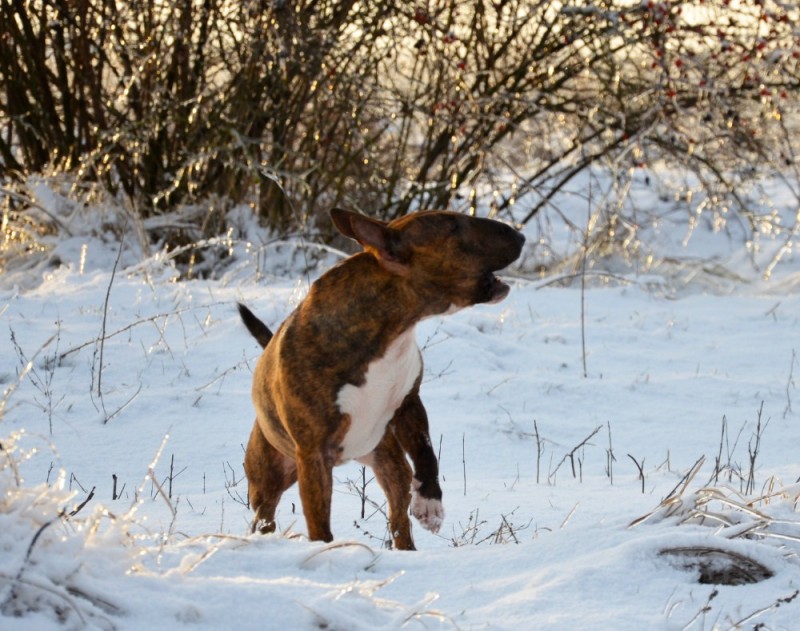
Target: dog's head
column 446, row 254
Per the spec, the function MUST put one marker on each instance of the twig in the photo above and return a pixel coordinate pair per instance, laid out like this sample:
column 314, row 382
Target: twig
column 564, row 280
column 571, row 454
column 789, row 384
column 464, row 462
column 473, row 524
column 128, row 327
column 232, row 483
column 139, row 492
column 704, row 609
column 753, row 450
column 780, row 601
column 686, row 479
column 640, row 467
column 14, row 594
column 222, row 375
column 42, row 382
column 672, row 501
column 72, row 477
column 415, row 614
column 339, row 544
column 539, row 448
column 105, row 318
column 50, row 589
column 77, row 509
column 7, row 396
column 569, row 516
column 610, row 458
column 123, row 406
column 584, row 255
column 171, row 474
column 718, row 463
column 114, row 494
column 439, row 454
column 23, row 373
column 363, row 492
column 500, row 383
column 171, row 507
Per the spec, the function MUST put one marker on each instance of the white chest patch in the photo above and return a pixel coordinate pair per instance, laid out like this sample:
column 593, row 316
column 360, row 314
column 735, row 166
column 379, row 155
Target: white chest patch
column 371, row 406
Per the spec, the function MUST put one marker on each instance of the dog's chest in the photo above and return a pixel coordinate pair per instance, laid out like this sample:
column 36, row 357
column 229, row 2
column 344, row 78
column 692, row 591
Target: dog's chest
column 371, row 405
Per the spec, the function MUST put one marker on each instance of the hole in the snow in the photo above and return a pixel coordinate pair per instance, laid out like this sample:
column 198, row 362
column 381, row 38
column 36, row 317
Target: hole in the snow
column 716, row 566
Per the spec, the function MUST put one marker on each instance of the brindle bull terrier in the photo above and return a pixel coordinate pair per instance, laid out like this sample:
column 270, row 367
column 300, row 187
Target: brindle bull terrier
column 340, row 379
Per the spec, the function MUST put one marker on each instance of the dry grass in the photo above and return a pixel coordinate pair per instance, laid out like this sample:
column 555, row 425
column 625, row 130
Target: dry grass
column 732, row 515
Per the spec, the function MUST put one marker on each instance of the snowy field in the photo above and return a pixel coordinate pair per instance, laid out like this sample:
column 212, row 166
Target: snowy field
column 599, row 500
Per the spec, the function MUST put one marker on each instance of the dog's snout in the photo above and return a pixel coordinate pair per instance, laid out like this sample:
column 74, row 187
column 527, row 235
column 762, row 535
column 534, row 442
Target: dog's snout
column 513, row 240
column 497, row 244
column 502, row 231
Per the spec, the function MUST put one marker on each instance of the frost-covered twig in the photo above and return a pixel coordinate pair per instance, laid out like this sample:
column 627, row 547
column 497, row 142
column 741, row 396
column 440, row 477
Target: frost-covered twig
column 335, row 546
column 147, row 320
column 41, row 585
column 80, row 506
column 21, row 377
column 7, row 605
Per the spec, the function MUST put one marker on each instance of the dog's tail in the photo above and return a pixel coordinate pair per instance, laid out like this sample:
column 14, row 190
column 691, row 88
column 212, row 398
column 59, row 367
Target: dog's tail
column 257, row 328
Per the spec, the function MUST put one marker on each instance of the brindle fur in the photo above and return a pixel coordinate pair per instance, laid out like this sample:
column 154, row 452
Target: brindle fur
column 418, row 266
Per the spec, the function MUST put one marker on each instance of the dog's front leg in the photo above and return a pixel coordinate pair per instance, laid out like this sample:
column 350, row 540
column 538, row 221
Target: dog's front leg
column 410, row 426
column 315, row 477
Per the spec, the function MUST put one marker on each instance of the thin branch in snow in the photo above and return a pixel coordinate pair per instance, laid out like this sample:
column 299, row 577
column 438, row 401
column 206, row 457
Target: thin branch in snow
column 102, row 339
column 772, row 607
column 78, row 508
column 610, row 457
column 753, row 449
column 570, row 455
column 539, row 448
column 640, row 468
column 464, row 461
column 790, row 384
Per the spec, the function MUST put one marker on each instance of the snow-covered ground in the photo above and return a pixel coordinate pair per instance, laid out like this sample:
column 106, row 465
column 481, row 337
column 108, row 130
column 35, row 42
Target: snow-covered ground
column 547, row 472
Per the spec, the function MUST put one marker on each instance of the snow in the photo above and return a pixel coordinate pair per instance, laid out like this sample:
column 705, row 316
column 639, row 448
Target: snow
column 538, row 532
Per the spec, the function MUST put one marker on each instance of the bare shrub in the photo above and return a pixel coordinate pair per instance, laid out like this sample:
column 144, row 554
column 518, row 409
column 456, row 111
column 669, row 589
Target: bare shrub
column 294, row 107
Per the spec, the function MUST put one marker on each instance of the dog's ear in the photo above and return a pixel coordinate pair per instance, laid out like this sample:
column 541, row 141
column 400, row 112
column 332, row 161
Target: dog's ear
column 374, row 235
column 341, row 219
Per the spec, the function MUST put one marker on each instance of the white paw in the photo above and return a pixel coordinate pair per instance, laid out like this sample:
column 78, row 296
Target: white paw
column 429, row 512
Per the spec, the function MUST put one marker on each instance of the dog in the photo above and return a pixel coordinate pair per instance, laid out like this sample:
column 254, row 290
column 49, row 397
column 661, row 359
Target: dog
column 340, row 378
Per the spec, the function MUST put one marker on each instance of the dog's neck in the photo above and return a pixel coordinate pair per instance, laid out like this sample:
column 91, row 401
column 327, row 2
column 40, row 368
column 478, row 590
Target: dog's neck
column 362, row 284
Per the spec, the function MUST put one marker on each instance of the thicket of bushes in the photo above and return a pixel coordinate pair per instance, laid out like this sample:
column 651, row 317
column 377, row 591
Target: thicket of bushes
column 295, row 106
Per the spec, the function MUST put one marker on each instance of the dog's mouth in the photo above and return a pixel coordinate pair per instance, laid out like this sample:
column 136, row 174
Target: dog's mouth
column 495, row 289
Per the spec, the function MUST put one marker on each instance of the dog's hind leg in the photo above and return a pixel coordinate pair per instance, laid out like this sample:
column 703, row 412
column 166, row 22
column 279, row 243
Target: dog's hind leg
column 269, row 474
column 393, row 474
column 315, row 476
